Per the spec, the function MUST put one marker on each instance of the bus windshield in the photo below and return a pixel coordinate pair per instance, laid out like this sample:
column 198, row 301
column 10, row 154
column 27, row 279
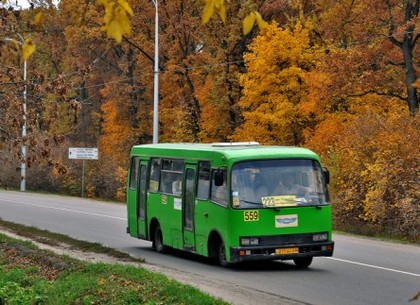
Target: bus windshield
column 278, row 183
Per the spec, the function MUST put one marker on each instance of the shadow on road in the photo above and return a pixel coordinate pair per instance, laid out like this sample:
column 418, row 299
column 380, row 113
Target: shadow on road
column 270, row 265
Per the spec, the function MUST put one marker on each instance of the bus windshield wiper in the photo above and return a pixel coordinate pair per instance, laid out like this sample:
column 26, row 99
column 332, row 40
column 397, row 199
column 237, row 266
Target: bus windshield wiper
column 251, row 202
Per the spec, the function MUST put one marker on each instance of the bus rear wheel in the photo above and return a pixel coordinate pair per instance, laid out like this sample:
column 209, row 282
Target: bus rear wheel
column 303, row 262
column 158, row 241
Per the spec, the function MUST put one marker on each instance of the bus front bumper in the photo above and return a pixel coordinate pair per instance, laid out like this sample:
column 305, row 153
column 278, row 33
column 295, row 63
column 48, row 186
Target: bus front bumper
column 242, row 254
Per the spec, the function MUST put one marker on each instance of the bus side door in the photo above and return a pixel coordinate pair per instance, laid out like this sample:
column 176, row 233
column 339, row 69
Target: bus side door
column 141, row 201
column 132, row 196
column 188, row 207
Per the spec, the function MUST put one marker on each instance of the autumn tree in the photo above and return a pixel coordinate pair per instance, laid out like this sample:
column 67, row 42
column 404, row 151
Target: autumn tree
column 205, row 61
column 12, row 87
column 180, row 41
column 220, row 92
column 274, row 86
column 38, row 92
column 216, row 113
column 374, row 166
column 358, row 93
column 403, row 22
column 380, row 38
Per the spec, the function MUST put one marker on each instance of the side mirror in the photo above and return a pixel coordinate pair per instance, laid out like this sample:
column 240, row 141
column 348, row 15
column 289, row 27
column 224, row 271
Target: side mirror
column 326, row 173
column 218, row 177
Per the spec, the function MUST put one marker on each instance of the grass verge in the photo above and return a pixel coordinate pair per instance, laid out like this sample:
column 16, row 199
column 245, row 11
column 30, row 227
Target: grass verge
column 56, row 239
column 29, row 275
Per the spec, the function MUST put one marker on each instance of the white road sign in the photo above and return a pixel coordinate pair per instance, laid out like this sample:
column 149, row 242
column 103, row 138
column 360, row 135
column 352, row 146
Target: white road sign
column 83, row 153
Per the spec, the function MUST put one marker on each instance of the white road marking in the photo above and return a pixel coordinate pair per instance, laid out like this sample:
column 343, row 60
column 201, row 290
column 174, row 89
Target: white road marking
column 66, row 210
column 372, row 266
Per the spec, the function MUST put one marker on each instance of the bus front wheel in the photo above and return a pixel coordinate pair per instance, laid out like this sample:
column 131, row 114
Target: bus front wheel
column 303, row 262
column 221, row 254
column 158, row 241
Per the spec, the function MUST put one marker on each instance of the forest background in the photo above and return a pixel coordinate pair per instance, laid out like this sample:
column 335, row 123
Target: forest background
column 338, row 77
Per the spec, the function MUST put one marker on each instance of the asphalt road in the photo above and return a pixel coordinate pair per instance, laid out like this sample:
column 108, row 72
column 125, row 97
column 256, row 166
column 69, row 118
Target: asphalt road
column 362, row 271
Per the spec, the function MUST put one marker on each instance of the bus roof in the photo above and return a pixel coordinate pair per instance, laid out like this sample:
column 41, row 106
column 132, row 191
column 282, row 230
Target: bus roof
column 230, row 151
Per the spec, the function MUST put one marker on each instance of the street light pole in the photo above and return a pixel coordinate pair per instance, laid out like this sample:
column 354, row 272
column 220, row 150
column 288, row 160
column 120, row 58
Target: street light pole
column 23, row 163
column 156, row 79
column 23, row 150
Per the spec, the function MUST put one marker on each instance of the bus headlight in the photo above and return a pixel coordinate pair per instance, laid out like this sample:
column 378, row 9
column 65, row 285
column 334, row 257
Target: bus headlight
column 250, row 241
column 320, row 237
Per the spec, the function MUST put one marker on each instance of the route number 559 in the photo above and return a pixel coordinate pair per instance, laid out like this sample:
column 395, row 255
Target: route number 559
column 251, row 215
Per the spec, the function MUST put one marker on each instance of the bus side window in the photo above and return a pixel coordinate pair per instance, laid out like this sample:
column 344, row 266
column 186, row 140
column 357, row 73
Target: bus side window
column 154, row 175
column 171, row 176
column 203, row 187
column 219, row 193
column 134, row 168
column 168, row 178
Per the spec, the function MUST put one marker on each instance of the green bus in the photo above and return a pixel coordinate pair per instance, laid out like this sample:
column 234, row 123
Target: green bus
column 232, row 202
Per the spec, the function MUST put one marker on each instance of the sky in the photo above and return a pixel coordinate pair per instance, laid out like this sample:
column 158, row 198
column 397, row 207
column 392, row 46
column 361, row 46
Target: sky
column 15, row 4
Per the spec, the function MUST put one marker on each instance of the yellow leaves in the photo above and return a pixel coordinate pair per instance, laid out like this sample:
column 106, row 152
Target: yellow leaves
column 11, row 49
column 116, row 19
column 249, row 21
column 218, row 6
column 274, row 85
column 38, row 19
column 28, row 48
column 126, row 7
column 213, row 6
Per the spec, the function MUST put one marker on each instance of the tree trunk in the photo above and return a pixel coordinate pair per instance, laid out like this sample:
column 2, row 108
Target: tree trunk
column 407, row 50
column 407, row 46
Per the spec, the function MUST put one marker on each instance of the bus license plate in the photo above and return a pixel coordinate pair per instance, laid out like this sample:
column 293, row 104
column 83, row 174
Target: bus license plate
column 287, row 251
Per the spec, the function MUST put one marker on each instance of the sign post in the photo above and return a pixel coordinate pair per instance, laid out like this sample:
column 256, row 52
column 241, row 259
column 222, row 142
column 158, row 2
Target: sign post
column 83, row 153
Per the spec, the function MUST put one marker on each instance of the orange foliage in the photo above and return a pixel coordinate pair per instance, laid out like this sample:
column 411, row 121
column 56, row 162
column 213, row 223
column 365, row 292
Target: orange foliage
column 176, row 113
column 115, row 142
column 375, row 162
column 215, row 123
